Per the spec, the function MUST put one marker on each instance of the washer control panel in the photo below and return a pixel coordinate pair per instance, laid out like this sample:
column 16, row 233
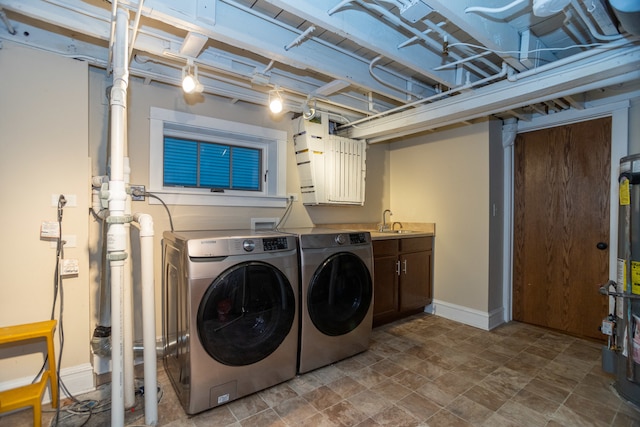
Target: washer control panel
column 248, row 245
column 275, row 243
column 358, row 238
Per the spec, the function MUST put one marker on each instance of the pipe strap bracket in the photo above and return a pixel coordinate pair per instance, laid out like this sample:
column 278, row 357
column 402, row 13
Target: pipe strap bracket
column 122, row 219
column 117, row 256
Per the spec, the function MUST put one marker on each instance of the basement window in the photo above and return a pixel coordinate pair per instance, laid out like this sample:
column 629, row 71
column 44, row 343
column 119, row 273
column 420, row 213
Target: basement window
column 198, row 160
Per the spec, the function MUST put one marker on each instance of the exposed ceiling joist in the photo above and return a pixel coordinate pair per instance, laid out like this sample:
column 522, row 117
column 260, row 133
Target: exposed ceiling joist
column 399, row 65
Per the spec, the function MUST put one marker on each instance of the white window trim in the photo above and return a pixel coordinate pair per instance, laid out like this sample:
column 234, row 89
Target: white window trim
column 275, row 141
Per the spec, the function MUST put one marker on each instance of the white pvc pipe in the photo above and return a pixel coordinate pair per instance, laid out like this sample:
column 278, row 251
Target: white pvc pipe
column 127, row 318
column 148, row 319
column 116, row 237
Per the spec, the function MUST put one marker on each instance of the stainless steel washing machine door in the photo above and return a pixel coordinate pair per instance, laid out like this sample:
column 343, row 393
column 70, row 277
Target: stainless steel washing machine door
column 339, row 294
column 246, row 313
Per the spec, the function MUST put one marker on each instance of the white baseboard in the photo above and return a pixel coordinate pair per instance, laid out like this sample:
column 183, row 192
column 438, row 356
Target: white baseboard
column 468, row 316
column 77, row 379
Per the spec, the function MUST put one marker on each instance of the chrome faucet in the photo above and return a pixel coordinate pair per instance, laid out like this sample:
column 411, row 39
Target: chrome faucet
column 384, row 225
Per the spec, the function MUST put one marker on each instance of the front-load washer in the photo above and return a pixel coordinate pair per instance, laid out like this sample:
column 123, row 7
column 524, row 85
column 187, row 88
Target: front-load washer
column 336, row 295
column 230, row 313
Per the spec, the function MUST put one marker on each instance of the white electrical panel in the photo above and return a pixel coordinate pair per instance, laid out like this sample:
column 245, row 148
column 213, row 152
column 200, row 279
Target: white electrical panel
column 332, row 169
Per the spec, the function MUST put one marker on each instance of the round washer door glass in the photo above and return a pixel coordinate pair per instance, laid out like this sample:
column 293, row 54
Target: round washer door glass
column 246, row 313
column 339, row 294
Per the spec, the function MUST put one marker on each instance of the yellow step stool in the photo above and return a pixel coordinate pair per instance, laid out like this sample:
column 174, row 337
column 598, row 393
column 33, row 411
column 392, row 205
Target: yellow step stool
column 31, row 395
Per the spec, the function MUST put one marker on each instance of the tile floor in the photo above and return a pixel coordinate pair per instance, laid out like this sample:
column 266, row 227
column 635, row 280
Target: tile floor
column 429, row 371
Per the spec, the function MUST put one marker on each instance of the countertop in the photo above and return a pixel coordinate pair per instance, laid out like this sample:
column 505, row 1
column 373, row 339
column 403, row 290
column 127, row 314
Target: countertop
column 418, row 229
column 378, row 235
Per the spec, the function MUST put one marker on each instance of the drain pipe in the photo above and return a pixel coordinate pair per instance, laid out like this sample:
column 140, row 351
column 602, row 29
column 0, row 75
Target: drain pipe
column 145, row 222
column 127, row 301
column 116, row 239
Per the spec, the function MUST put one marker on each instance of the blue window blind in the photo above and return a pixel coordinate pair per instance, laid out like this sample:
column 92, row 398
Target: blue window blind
column 198, row 164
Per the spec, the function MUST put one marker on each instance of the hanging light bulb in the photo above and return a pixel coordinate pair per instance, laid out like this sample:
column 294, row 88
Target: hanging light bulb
column 275, row 101
column 190, row 83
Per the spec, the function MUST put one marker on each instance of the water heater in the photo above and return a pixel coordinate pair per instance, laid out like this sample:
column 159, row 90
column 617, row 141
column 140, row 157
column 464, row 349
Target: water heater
column 627, row 316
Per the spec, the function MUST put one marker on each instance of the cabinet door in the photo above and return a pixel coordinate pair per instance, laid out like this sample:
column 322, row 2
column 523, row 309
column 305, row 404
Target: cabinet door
column 385, row 285
column 415, row 280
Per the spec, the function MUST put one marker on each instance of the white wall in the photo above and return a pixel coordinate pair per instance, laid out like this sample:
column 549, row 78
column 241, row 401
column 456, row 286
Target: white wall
column 444, row 178
column 43, row 152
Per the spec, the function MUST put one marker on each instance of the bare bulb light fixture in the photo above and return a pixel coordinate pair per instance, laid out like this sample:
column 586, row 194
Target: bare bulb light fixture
column 308, row 110
column 275, row 101
column 190, row 82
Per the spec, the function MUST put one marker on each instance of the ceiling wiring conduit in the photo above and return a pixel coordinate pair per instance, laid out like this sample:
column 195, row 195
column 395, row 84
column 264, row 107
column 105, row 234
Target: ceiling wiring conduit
column 444, row 35
column 134, row 31
column 300, row 38
column 414, row 38
column 114, row 7
column 461, row 61
column 491, row 10
column 570, row 59
column 393, row 19
column 372, row 64
column 501, row 74
column 7, row 23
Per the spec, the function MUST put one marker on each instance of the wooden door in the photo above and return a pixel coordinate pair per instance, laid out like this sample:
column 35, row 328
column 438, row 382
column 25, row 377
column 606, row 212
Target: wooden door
column 561, row 212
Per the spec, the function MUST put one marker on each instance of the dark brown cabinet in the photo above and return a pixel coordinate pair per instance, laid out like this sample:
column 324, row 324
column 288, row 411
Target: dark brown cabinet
column 402, row 277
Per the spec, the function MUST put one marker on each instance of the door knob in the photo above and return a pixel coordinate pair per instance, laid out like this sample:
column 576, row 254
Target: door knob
column 602, row 246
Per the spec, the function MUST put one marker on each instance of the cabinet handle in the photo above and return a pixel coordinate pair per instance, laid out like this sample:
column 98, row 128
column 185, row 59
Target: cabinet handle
column 404, row 270
column 398, row 267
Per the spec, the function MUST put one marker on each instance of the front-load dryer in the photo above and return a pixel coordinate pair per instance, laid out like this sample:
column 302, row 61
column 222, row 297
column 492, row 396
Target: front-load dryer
column 336, row 295
column 230, row 313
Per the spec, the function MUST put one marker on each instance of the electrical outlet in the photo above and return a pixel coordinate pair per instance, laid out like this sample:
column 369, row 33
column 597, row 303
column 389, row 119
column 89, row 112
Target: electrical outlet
column 137, row 193
column 69, row 267
column 293, row 197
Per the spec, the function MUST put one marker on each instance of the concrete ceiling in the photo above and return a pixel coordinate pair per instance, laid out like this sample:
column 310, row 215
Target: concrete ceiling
column 383, row 68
